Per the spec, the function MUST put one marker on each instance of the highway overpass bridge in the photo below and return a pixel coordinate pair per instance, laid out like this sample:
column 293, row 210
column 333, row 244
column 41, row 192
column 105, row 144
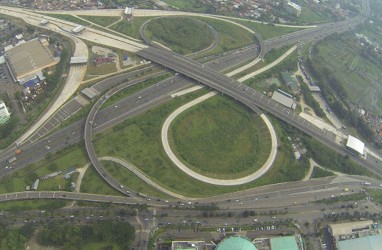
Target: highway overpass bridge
column 246, row 95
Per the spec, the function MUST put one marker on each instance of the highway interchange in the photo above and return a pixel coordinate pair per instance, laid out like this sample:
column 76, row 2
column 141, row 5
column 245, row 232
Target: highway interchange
column 292, row 195
column 203, row 73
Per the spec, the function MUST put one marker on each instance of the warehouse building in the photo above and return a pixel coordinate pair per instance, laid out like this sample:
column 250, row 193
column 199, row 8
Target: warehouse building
column 293, row 8
column 365, row 235
column 373, row 242
column 351, row 228
column 29, row 58
column 355, row 145
column 284, row 99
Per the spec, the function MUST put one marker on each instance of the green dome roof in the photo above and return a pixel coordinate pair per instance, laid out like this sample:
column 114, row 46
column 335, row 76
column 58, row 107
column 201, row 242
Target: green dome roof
column 236, row 243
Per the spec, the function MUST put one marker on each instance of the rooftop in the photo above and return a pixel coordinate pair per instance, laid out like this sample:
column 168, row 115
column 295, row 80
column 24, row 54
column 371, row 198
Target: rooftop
column 282, row 99
column 355, row 144
column 373, row 242
column 349, row 228
column 29, row 57
column 236, row 243
column 284, row 243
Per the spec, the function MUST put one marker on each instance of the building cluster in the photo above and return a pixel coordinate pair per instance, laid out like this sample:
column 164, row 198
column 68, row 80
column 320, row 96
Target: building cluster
column 365, row 235
column 66, row 174
column 371, row 46
column 26, row 62
column 240, row 242
column 101, row 60
column 283, row 10
column 57, row 5
column 254, row 9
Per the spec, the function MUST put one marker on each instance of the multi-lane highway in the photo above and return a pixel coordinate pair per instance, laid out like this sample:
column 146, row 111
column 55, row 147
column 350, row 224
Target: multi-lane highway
column 192, row 69
column 248, row 96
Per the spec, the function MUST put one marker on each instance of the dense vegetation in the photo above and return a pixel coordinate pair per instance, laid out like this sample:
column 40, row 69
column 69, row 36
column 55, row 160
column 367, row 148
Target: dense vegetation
column 319, row 172
column 335, row 94
column 183, row 35
column 309, row 99
column 71, row 236
column 330, row 159
column 14, row 239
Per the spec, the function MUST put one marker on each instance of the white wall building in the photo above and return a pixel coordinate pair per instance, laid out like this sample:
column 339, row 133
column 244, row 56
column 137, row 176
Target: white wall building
column 293, row 8
column 4, row 113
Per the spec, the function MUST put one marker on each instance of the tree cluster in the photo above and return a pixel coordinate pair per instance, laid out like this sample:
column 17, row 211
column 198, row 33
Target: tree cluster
column 309, row 100
column 72, row 236
column 330, row 159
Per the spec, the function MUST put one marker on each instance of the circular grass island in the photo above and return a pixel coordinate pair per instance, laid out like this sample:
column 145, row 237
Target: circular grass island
column 220, row 138
column 183, row 35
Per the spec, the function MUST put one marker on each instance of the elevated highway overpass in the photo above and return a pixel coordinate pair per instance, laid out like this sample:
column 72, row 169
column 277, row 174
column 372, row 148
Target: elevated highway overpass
column 246, row 95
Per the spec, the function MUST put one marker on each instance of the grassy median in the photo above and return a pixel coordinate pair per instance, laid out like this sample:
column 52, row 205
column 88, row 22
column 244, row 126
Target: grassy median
column 183, row 35
column 220, row 138
column 138, row 141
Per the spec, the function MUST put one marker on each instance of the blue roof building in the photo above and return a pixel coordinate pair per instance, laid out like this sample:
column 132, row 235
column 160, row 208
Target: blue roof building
column 31, row 83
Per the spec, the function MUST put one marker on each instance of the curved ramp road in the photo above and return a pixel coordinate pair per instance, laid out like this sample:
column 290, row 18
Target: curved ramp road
column 221, row 182
column 143, row 177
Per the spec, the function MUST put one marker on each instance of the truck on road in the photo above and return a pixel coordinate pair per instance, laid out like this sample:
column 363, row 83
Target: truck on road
column 11, row 160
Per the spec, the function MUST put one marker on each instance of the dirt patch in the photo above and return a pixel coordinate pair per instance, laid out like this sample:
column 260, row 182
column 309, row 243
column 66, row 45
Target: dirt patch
column 33, row 245
column 101, row 51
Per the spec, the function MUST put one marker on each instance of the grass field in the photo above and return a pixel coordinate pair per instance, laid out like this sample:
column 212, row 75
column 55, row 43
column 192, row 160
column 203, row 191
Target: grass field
column 71, row 157
column 32, row 205
column 130, row 28
column 376, row 195
column 187, row 5
column 93, row 70
column 182, row 34
column 101, row 20
column 343, row 198
column 128, row 179
column 266, row 31
column 259, row 82
column 358, row 76
column 137, row 140
column 69, row 18
column 228, row 35
column 271, row 56
column 220, row 138
column 93, row 183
